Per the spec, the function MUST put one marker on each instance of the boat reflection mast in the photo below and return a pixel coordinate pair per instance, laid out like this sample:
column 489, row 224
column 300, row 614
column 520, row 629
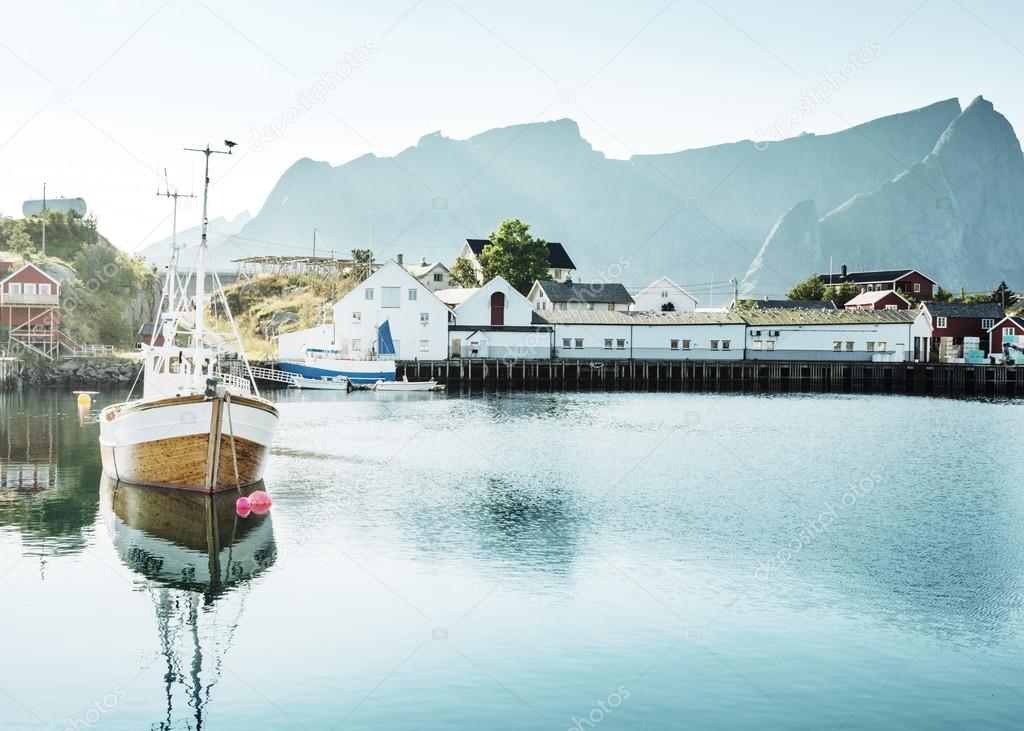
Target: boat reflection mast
column 197, row 559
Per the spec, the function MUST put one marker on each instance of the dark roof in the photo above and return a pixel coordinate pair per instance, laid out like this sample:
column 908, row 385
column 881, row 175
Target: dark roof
column 598, row 292
column 881, row 275
column 766, row 304
column 979, row 310
column 1015, row 319
column 557, row 256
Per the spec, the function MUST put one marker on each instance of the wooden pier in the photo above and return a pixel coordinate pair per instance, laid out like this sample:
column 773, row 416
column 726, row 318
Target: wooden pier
column 939, row 379
column 10, row 370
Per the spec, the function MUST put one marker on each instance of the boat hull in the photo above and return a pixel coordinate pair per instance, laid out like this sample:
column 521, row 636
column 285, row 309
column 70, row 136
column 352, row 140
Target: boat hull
column 188, row 442
column 359, row 372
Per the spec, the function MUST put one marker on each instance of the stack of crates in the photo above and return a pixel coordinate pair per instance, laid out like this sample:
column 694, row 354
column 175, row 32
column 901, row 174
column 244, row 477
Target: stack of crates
column 972, row 350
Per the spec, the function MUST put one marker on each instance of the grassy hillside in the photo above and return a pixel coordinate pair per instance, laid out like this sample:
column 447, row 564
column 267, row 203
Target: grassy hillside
column 107, row 294
column 269, row 304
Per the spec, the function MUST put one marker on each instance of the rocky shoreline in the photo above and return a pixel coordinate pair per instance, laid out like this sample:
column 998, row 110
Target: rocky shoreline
column 85, row 372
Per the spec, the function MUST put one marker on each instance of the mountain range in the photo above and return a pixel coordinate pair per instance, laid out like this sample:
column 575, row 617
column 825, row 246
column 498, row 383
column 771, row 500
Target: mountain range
column 939, row 189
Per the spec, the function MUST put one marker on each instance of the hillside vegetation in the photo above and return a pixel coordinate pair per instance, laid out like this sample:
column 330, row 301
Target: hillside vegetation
column 106, row 295
column 270, row 304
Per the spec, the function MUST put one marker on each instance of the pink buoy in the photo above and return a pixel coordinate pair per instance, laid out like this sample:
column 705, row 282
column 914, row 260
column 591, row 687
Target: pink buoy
column 260, row 502
column 243, row 506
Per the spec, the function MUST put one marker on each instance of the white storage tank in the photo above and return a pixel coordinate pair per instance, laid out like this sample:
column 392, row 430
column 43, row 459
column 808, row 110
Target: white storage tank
column 63, row 205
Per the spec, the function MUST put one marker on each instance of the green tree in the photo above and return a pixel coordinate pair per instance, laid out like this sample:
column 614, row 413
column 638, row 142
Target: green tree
column 1004, row 296
column 943, row 295
column 515, row 255
column 463, row 274
column 363, row 259
column 811, row 288
column 13, row 236
column 842, row 294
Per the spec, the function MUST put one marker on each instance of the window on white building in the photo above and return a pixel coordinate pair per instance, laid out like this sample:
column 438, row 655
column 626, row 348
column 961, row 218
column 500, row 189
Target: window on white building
column 45, row 289
column 566, row 342
column 725, row 344
column 673, row 344
column 438, row 276
column 611, row 307
column 424, row 318
column 714, row 345
column 880, row 346
column 686, row 345
column 870, row 346
column 412, row 295
column 390, row 297
column 357, row 317
column 837, row 345
column 756, row 345
column 579, row 342
column 607, row 343
column 368, row 293
column 664, row 293
column 770, row 345
column 424, row 346
column 985, row 324
column 849, row 345
column 940, row 322
column 357, row 344
column 620, row 344
column 561, row 305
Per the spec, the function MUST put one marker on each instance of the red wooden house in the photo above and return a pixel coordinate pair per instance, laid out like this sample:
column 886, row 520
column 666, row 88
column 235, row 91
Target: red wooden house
column 952, row 321
column 885, row 299
column 1007, row 327
column 30, row 310
column 908, row 281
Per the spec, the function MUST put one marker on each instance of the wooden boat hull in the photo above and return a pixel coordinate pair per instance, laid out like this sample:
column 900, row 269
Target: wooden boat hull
column 188, row 442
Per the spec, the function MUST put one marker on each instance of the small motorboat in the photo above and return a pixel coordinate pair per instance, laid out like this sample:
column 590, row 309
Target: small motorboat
column 324, row 383
column 406, row 385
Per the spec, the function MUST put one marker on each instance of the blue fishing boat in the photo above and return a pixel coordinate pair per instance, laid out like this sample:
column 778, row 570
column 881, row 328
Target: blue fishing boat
column 330, row 361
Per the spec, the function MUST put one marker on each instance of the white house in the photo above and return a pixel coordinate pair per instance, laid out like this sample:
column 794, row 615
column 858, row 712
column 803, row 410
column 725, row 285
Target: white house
column 803, row 334
column 600, row 335
column 432, row 275
column 569, row 295
column 496, row 321
column 560, row 266
column 417, row 318
column 663, row 293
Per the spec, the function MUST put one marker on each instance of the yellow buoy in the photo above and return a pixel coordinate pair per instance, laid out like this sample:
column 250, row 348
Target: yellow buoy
column 84, row 400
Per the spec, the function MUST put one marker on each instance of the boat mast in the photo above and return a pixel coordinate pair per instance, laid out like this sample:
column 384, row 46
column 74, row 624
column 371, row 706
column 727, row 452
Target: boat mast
column 198, row 336
column 172, row 268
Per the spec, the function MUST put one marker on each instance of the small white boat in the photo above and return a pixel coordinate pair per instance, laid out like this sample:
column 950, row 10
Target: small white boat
column 324, row 383
column 406, row 385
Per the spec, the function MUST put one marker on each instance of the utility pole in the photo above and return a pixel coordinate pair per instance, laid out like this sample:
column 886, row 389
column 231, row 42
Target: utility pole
column 314, row 242
column 735, row 291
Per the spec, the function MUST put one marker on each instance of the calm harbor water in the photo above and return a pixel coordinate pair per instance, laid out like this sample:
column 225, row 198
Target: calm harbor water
column 548, row 561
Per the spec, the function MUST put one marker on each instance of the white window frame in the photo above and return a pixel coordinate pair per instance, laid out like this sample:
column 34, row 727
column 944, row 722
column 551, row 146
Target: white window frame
column 45, row 289
column 424, row 318
column 368, row 293
column 987, row 323
column 714, row 345
column 756, row 345
column 607, row 343
column 917, row 287
column 849, row 346
column 357, row 344
column 726, row 344
column 424, row 346
column 620, row 344
column 14, row 288
column 673, row 344
column 869, row 346
column 392, row 295
column 566, row 343
column 941, row 323
column 29, row 288
column 686, row 344
column 1009, row 331
column 412, row 294
column 880, row 346
column 357, row 317
column 579, row 343
column 438, row 276
column 769, row 345
column 837, row 345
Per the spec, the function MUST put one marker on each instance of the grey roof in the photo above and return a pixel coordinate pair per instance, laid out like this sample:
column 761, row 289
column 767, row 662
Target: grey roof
column 596, row 292
column 766, row 304
column 879, row 275
column 558, row 258
column 827, row 317
column 979, row 310
column 609, row 317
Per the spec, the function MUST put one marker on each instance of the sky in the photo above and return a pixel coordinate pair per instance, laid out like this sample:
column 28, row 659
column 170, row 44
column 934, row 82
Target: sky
column 100, row 97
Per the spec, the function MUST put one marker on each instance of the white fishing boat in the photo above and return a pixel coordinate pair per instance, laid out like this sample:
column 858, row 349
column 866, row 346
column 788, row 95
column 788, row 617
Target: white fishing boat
column 196, row 427
column 405, row 385
column 331, row 361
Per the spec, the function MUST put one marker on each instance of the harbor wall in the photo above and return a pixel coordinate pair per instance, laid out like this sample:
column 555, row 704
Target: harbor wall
column 939, row 379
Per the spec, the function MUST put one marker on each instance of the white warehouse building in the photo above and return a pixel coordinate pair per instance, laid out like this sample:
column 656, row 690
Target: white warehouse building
column 854, row 335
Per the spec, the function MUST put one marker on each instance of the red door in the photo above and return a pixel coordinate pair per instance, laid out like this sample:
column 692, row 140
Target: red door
column 498, row 308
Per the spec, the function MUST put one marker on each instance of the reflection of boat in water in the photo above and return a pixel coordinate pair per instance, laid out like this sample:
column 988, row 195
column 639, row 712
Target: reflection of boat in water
column 199, row 559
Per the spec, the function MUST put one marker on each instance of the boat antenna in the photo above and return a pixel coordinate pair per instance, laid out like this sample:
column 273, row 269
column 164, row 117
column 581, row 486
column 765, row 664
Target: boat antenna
column 201, row 259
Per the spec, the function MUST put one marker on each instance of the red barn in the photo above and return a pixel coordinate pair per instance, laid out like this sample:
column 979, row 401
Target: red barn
column 1008, row 326
column 885, row 299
